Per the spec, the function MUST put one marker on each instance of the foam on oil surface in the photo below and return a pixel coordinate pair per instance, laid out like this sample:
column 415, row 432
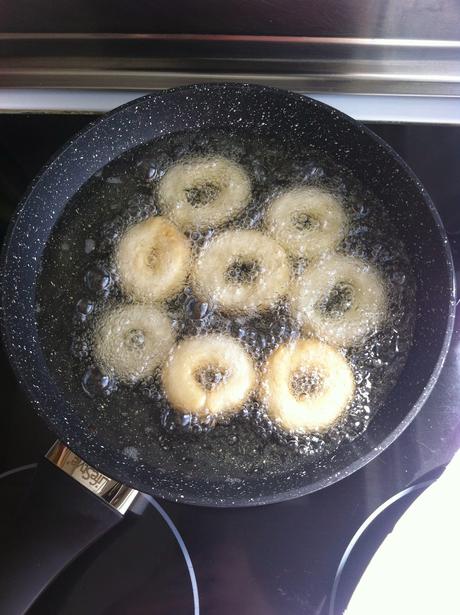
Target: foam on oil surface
column 79, row 283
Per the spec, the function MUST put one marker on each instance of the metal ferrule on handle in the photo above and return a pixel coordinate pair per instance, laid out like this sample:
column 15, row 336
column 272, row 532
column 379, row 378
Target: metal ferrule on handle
column 116, row 494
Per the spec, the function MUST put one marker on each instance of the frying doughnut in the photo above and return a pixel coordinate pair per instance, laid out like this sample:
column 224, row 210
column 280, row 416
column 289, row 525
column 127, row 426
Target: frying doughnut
column 208, row 374
column 307, row 385
column 241, row 271
column 307, row 222
column 204, row 192
column 153, row 260
column 342, row 299
column 132, row 340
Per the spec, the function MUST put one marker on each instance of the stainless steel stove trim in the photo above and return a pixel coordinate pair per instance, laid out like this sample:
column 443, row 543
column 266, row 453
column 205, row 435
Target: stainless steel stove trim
column 325, row 40
column 367, row 108
column 140, row 61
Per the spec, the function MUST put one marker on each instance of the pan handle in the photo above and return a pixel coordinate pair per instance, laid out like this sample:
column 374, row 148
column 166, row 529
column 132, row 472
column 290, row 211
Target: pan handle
column 59, row 520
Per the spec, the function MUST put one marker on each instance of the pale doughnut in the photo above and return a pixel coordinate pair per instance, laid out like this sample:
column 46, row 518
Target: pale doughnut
column 228, row 179
column 153, row 260
column 307, row 222
column 130, row 341
column 367, row 302
column 269, row 282
column 307, row 411
column 224, row 357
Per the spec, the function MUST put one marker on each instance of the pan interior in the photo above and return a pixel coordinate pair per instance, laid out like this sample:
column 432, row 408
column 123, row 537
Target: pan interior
column 78, row 282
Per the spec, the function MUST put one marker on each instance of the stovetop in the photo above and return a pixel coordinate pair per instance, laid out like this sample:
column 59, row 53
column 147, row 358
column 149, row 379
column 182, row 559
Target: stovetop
column 286, row 558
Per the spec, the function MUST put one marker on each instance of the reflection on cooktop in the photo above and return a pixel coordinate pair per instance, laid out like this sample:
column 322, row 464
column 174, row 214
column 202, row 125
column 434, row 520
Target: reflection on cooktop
column 144, row 562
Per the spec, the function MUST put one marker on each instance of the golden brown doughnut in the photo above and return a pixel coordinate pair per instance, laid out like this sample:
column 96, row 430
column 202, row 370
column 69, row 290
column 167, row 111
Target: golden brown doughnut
column 208, row 374
column 260, row 267
column 306, row 386
column 307, row 222
column 341, row 299
column 153, row 260
column 130, row 341
column 204, row 193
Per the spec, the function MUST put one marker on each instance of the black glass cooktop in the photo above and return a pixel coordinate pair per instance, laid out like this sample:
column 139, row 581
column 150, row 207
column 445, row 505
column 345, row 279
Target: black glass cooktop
column 283, row 559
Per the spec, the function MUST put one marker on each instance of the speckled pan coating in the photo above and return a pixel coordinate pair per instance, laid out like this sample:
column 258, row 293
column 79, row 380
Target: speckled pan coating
column 267, row 111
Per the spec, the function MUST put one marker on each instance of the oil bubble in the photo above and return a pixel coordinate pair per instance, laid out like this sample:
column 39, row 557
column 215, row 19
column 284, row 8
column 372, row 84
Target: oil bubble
column 90, row 245
column 95, row 383
column 85, row 307
column 114, row 180
column 98, row 279
column 197, row 310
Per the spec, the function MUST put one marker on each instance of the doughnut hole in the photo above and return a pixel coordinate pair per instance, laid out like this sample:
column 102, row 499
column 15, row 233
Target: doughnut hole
column 202, row 194
column 152, row 259
column 243, row 271
column 134, row 340
column 211, row 376
column 303, row 221
column 306, row 383
column 338, row 301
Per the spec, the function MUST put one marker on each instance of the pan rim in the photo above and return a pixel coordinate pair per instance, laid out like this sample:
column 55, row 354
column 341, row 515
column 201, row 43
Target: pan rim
column 279, row 495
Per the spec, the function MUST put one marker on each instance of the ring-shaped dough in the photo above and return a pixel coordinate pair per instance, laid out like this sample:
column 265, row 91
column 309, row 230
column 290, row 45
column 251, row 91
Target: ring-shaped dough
column 366, row 305
column 153, row 260
column 246, row 248
column 208, row 374
column 307, row 222
column 307, row 411
column 225, row 183
column 130, row 341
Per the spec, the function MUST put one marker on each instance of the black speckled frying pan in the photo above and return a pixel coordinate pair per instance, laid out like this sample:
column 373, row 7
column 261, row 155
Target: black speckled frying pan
column 47, row 542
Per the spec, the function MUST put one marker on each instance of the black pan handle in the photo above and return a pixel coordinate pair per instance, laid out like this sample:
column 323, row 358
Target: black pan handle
column 59, row 520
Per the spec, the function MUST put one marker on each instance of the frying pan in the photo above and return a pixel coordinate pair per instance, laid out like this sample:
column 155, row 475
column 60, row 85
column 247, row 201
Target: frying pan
column 61, row 517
